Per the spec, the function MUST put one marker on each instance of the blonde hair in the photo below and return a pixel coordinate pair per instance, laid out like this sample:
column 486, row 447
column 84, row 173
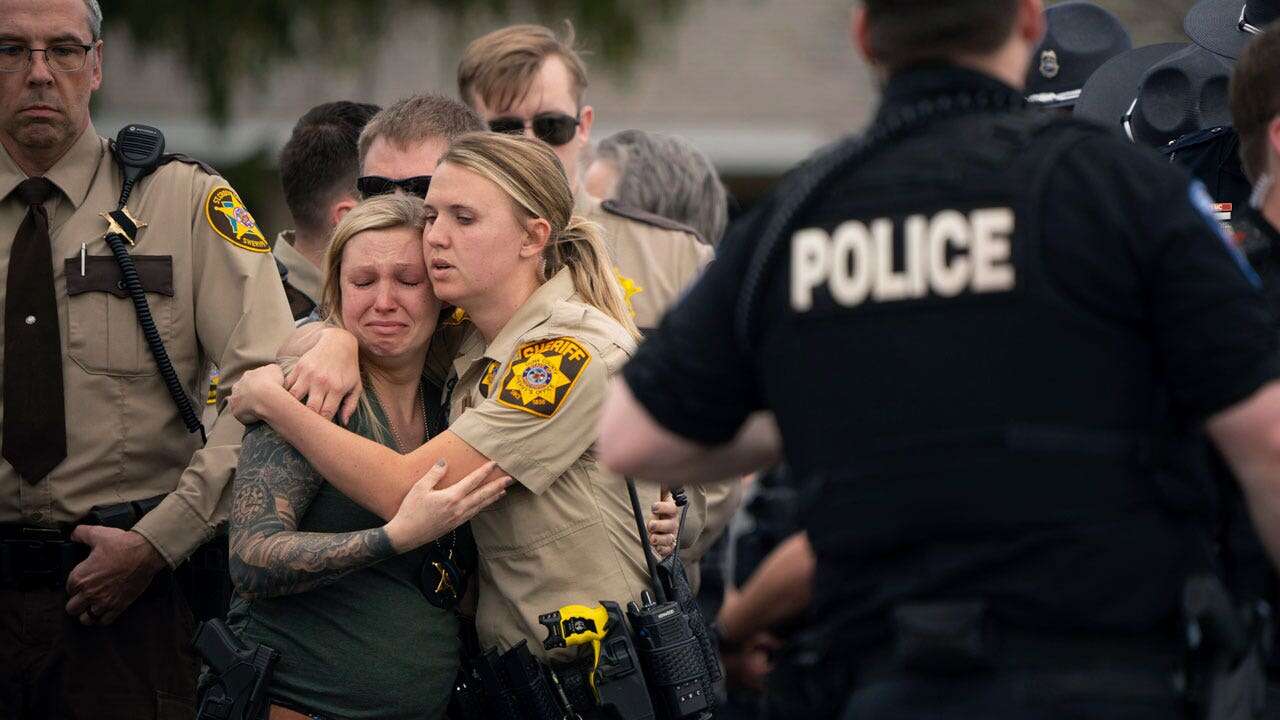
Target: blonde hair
column 383, row 212
column 498, row 68
column 531, row 175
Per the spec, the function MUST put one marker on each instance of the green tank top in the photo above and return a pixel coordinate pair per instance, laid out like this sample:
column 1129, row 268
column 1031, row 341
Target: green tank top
column 367, row 647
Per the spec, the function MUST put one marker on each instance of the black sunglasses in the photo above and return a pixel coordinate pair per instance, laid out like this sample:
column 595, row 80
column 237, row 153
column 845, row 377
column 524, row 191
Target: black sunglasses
column 551, row 128
column 374, row 185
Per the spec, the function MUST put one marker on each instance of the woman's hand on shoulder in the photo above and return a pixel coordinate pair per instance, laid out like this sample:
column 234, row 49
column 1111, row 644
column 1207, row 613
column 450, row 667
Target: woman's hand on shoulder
column 327, row 377
column 250, row 393
column 428, row 513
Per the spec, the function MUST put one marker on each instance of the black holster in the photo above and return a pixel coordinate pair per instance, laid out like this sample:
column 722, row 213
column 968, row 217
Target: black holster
column 504, row 686
column 236, row 687
column 1227, row 652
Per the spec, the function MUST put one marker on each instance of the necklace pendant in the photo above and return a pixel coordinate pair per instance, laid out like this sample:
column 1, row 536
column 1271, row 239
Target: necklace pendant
column 445, row 582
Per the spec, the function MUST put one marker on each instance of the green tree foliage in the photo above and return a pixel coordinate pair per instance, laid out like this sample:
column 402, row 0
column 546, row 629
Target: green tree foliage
column 223, row 41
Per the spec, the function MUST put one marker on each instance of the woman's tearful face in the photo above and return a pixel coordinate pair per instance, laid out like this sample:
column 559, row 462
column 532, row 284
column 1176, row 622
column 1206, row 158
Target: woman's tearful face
column 387, row 302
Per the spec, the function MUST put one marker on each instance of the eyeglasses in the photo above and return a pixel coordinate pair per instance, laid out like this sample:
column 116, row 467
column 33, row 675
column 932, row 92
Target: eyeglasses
column 551, row 128
column 59, row 58
column 374, row 185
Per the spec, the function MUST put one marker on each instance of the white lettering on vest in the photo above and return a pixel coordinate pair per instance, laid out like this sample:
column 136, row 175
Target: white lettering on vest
column 946, row 255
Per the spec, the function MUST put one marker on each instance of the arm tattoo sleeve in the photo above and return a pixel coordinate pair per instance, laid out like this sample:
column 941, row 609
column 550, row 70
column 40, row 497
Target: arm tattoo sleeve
column 273, row 487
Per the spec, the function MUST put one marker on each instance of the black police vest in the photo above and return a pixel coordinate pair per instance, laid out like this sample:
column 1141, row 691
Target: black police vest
column 942, row 384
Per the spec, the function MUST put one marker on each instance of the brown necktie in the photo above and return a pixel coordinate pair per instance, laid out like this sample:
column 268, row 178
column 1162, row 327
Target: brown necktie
column 35, row 428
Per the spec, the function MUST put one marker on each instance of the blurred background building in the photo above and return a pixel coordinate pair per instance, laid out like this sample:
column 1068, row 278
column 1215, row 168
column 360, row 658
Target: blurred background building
column 757, row 84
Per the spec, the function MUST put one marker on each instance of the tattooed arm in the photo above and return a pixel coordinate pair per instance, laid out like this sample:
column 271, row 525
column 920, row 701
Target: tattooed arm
column 273, row 487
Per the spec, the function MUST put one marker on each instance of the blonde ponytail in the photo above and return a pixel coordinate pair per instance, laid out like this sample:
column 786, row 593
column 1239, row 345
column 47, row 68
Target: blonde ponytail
column 580, row 248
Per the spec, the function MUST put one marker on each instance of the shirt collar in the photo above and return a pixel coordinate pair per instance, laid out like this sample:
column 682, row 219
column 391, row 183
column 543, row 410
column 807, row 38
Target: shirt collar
column 302, row 275
column 920, row 82
column 532, row 313
column 72, row 174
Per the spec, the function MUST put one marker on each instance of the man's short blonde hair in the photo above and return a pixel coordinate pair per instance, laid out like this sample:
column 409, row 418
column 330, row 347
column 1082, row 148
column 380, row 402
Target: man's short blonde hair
column 419, row 118
column 498, row 68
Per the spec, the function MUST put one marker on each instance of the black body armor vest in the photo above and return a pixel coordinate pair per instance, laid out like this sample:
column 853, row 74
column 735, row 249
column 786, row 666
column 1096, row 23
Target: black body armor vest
column 977, row 431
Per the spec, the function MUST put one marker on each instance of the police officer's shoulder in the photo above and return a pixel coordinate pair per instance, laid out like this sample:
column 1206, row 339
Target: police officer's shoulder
column 1044, row 130
column 636, row 215
column 1104, row 150
column 188, row 160
column 215, row 203
column 590, row 326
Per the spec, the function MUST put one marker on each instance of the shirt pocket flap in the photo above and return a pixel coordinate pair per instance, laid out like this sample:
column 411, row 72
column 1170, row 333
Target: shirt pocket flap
column 102, row 274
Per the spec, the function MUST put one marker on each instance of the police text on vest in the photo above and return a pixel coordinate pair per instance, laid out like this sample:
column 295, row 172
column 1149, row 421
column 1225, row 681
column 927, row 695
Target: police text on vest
column 944, row 255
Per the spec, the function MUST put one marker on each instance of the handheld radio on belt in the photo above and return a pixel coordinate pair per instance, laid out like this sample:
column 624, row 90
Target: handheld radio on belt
column 139, row 150
column 680, row 681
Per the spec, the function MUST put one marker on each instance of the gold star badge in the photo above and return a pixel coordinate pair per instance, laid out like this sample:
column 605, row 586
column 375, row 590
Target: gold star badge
column 114, row 227
column 629, row 289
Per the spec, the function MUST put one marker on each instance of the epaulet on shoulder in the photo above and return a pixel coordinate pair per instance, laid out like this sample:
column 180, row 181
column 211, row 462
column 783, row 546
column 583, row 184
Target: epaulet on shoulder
column 648, row 218
column 180, row 157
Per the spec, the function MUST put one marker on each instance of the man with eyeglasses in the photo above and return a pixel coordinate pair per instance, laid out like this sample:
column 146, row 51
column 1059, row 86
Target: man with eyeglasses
column 92, row 622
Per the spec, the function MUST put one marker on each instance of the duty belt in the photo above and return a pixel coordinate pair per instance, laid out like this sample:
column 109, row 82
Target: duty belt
column 33, row 557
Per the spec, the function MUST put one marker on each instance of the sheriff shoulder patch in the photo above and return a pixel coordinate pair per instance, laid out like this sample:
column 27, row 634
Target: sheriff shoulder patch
column 542, row 374
column 486, row 382
column 228, row 217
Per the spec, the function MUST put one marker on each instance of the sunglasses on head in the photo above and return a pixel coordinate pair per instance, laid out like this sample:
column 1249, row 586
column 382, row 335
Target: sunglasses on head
column 551, row 128
column 374, row 185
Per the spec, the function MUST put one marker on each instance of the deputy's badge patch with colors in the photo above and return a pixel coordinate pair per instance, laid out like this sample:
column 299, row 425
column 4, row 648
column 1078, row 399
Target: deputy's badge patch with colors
column 486, row 382
column 542, row 374
column 228, row 217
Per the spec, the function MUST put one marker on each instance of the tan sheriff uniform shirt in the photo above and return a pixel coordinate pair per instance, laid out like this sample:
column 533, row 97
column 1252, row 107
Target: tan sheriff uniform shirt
column 303, row 281
column 656, row 258
column 565, row 533
column 216, row 298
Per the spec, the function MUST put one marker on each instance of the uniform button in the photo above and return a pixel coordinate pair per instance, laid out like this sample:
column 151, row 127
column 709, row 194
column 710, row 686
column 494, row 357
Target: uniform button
column 37, row 516
column 31, row 319
column 119, row 284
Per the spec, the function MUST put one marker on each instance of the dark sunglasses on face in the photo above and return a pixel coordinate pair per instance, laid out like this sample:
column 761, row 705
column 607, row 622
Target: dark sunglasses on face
column 373, row 185
column 551, row 128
